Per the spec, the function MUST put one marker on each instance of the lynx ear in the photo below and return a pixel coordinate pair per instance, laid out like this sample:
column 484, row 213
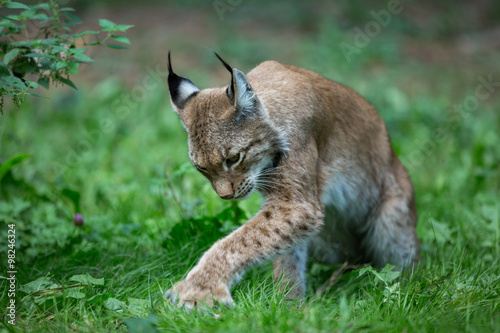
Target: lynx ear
column 181, row 88
column 240, row 92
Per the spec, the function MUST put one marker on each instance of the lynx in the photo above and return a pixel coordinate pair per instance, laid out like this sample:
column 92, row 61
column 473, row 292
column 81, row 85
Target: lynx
column 321, row 157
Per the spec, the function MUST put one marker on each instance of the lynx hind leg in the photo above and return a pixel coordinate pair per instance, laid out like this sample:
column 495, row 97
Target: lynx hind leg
column 391, row 237
column 290, row 272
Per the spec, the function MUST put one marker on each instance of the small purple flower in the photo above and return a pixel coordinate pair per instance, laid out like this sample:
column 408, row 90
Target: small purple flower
column 78, row 220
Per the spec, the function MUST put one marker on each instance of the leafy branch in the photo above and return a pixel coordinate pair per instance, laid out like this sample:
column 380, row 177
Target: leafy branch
column 38, row 47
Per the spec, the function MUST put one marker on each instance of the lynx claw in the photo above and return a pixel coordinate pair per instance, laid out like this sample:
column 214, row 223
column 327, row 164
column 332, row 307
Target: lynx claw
column 189, row 296
column 171, row 296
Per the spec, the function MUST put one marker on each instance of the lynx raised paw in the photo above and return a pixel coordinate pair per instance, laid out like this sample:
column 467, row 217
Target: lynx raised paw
column 190, row 295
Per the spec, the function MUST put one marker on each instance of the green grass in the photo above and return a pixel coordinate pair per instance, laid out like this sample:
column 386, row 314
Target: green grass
column 148, row 215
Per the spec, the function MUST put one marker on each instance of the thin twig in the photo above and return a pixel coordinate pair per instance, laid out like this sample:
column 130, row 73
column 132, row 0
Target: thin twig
column 336, row 277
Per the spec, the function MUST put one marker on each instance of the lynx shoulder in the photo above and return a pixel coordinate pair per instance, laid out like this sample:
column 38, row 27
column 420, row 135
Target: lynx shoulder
column 320, row 155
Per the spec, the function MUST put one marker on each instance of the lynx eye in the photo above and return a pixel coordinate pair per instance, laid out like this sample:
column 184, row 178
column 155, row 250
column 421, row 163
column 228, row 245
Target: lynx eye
column 233, row 161
column 201, row 169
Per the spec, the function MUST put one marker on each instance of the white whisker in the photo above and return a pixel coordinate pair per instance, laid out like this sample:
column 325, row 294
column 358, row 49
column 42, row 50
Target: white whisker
column 274, row 173
column 271, row 169
column 268, row 186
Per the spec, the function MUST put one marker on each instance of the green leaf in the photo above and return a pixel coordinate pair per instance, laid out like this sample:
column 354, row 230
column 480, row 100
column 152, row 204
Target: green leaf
column 121, row 39
column 83, row 33
column 23, row 43
column 32, row 84
column 50, row 41
column 73, row 68
column 46, row 63
column 87, row 279
column 42, row 17
column 73, row 17
column 4, row 168
column 66, row 82
column 138, row 307
column 123, row 27
column 365, row 270
column 72, row 23
column 44, row 82
column 114, row 304
column 11, row 55
column 387, row 274
column 16, row 5
column 4, row 70
column 37, row 95
column 79, row 55
column 60, row 64
column 14, row 82
column 45, row 6
column 38, row 55
column 41, row 283
column 116, row 46
column 74, row 293
column 26, row 15
column 66, row 9
column 58, row 48
column 107, row 25
column 140, row 325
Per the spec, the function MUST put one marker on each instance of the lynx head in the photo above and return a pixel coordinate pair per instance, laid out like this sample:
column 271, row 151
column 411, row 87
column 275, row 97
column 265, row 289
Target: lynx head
column 231, row 138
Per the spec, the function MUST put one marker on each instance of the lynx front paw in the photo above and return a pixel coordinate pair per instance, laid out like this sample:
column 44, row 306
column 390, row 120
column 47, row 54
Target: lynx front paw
column 191, row 295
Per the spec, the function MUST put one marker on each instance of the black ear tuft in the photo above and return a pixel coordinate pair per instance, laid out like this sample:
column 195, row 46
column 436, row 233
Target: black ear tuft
column 229, row 68
column 170, row 71
column 240, row 92
column 230, row 89
column 181, row 88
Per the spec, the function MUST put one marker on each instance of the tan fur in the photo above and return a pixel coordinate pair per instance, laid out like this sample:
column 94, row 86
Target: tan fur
column 338, row 174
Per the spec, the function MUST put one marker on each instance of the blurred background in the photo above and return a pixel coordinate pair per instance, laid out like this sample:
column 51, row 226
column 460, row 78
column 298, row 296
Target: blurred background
column 114, row 152
column 450, row 34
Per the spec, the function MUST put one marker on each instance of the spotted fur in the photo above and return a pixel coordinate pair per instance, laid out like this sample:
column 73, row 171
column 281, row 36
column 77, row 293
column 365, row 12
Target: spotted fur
column 320, row 155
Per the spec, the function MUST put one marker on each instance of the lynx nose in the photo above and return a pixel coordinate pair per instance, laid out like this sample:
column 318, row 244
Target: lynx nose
column 224, row 190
